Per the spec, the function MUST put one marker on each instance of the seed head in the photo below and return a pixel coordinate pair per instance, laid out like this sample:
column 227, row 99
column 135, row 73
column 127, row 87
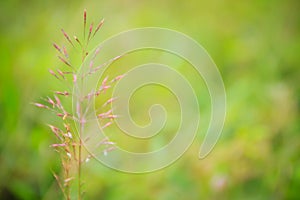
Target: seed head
column 39, row 105
column 90, row 30
column 84, row 22
column 64, row 61
column 57, row 47
column 65, row 93
column 99, row 26
column 67, row 37
column 106, row 125
column 53, row 73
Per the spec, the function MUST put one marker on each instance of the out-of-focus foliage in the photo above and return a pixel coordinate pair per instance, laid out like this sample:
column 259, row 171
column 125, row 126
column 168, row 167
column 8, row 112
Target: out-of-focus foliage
column 256, row 46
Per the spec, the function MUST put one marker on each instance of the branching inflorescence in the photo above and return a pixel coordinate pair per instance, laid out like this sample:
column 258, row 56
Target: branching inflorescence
column 69, row 133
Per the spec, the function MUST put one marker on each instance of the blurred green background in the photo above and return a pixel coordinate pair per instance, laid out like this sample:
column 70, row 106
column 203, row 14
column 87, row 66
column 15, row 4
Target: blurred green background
column 255, row 44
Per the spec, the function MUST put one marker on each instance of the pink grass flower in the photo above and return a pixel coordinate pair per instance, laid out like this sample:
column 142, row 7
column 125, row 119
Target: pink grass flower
column 106, row 125
column 67, row 37
column 58, row 145
column 53, row 74
column 39, row 105
column 56, row 47
column 65, row 93
column 98, row 27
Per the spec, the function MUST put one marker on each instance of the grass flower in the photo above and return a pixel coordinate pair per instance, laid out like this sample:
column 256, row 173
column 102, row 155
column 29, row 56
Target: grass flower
column 69, row 142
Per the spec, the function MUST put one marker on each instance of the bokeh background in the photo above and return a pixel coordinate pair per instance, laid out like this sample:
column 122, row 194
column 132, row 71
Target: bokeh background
column 255, row 44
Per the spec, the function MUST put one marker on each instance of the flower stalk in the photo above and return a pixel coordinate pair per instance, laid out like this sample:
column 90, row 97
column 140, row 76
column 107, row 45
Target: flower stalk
column 69, row 143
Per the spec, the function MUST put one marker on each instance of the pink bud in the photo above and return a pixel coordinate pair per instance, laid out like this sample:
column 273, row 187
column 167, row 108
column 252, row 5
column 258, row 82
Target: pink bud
column 57, row 101
column 65, row 52
column 99, row 26
column 74, row 78
column 84, row 16
column 57, row 47
column 67, row 36
column 40, row 105
column 51, row 102
column 107, row 124
column 53, row 73
column 60, row 115
column 58, row 145
column 109, row 101
column 65, row 93
column 91, row 27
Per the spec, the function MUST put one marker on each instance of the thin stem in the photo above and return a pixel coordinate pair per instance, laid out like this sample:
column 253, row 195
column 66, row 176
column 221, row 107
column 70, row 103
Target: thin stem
column 60, row 186
column 79, row 167
column 80, row 146
column 81, row 127
column 79, row 152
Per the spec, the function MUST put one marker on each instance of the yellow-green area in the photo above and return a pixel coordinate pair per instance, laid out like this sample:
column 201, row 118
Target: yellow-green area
column 256, row 46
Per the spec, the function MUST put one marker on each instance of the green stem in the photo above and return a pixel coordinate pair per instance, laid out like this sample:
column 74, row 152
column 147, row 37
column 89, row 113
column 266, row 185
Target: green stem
column 79, row 169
